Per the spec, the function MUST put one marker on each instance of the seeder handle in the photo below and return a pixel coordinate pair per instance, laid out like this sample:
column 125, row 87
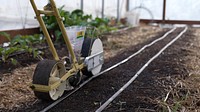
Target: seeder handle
column 44, row 29
column 54, row 11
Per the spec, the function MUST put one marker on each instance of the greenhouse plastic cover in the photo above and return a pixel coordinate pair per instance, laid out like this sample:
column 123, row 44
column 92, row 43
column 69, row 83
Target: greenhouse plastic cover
column 18, row 14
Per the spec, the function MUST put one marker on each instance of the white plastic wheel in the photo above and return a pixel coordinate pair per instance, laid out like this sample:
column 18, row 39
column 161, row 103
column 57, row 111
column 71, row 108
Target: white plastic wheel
column 97, row 47
column 46, row 73
column 57, row 72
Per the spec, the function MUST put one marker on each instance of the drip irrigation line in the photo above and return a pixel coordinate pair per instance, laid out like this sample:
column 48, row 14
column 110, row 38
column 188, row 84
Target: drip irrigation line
column 101, row 108
column 106, row 70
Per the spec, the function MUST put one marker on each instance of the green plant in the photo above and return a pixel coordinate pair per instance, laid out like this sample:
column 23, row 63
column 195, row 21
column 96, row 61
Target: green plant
column 99, row 21
column 76, row 17
column 101, row 26
column 176, row 107
column 6, row 52
column 6, row 35
column 28, row 40
column 21, row 44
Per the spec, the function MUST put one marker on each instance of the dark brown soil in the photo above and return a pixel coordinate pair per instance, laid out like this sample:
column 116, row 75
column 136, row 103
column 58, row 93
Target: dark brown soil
column 149, row 92
column 100, row 89
column 152, row 86
column 96, row 92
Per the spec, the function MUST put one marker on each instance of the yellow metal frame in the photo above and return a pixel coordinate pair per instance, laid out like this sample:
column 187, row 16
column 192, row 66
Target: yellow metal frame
column 44, row 88
column 54, row 12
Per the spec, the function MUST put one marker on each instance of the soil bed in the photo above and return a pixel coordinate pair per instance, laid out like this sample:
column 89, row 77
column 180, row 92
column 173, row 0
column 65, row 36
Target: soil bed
column 90, row 97
column 175, row 72
column 15, row 92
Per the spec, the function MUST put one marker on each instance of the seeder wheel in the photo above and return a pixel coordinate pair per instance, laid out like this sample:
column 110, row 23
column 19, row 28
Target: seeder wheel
column 90, row 47
column 48, row 72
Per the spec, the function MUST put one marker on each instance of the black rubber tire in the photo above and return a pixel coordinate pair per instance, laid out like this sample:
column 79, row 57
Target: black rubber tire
column 87, row 43
column 75, row 80
column 41, row 76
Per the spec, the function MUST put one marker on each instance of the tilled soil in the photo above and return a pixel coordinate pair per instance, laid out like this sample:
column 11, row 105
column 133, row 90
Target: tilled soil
column 91, row 96
column 14, row 85
column 169, row 83
column 165, row 85
column 153, row 84
column 95, row 93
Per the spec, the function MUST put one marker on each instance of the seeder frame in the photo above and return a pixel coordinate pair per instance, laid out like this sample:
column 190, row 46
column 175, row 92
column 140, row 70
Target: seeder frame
column 75, row 65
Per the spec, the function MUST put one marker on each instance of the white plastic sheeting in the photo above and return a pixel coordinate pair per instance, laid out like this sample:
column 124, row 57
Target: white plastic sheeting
column 15, row 14
column 183, row 9
column 148, row 9
column 18, row 14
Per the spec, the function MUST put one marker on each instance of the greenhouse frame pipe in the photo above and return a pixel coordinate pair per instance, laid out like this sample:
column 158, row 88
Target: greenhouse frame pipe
column 127, row 5
column 164, row 10
column 118, row 10
column 81, row 4
column 102, row 10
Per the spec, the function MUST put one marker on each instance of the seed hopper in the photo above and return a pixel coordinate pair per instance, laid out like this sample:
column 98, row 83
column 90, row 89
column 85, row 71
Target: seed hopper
column 52, row 77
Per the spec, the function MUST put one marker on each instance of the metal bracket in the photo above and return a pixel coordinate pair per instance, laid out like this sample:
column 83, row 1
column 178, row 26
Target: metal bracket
column 94, row 60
